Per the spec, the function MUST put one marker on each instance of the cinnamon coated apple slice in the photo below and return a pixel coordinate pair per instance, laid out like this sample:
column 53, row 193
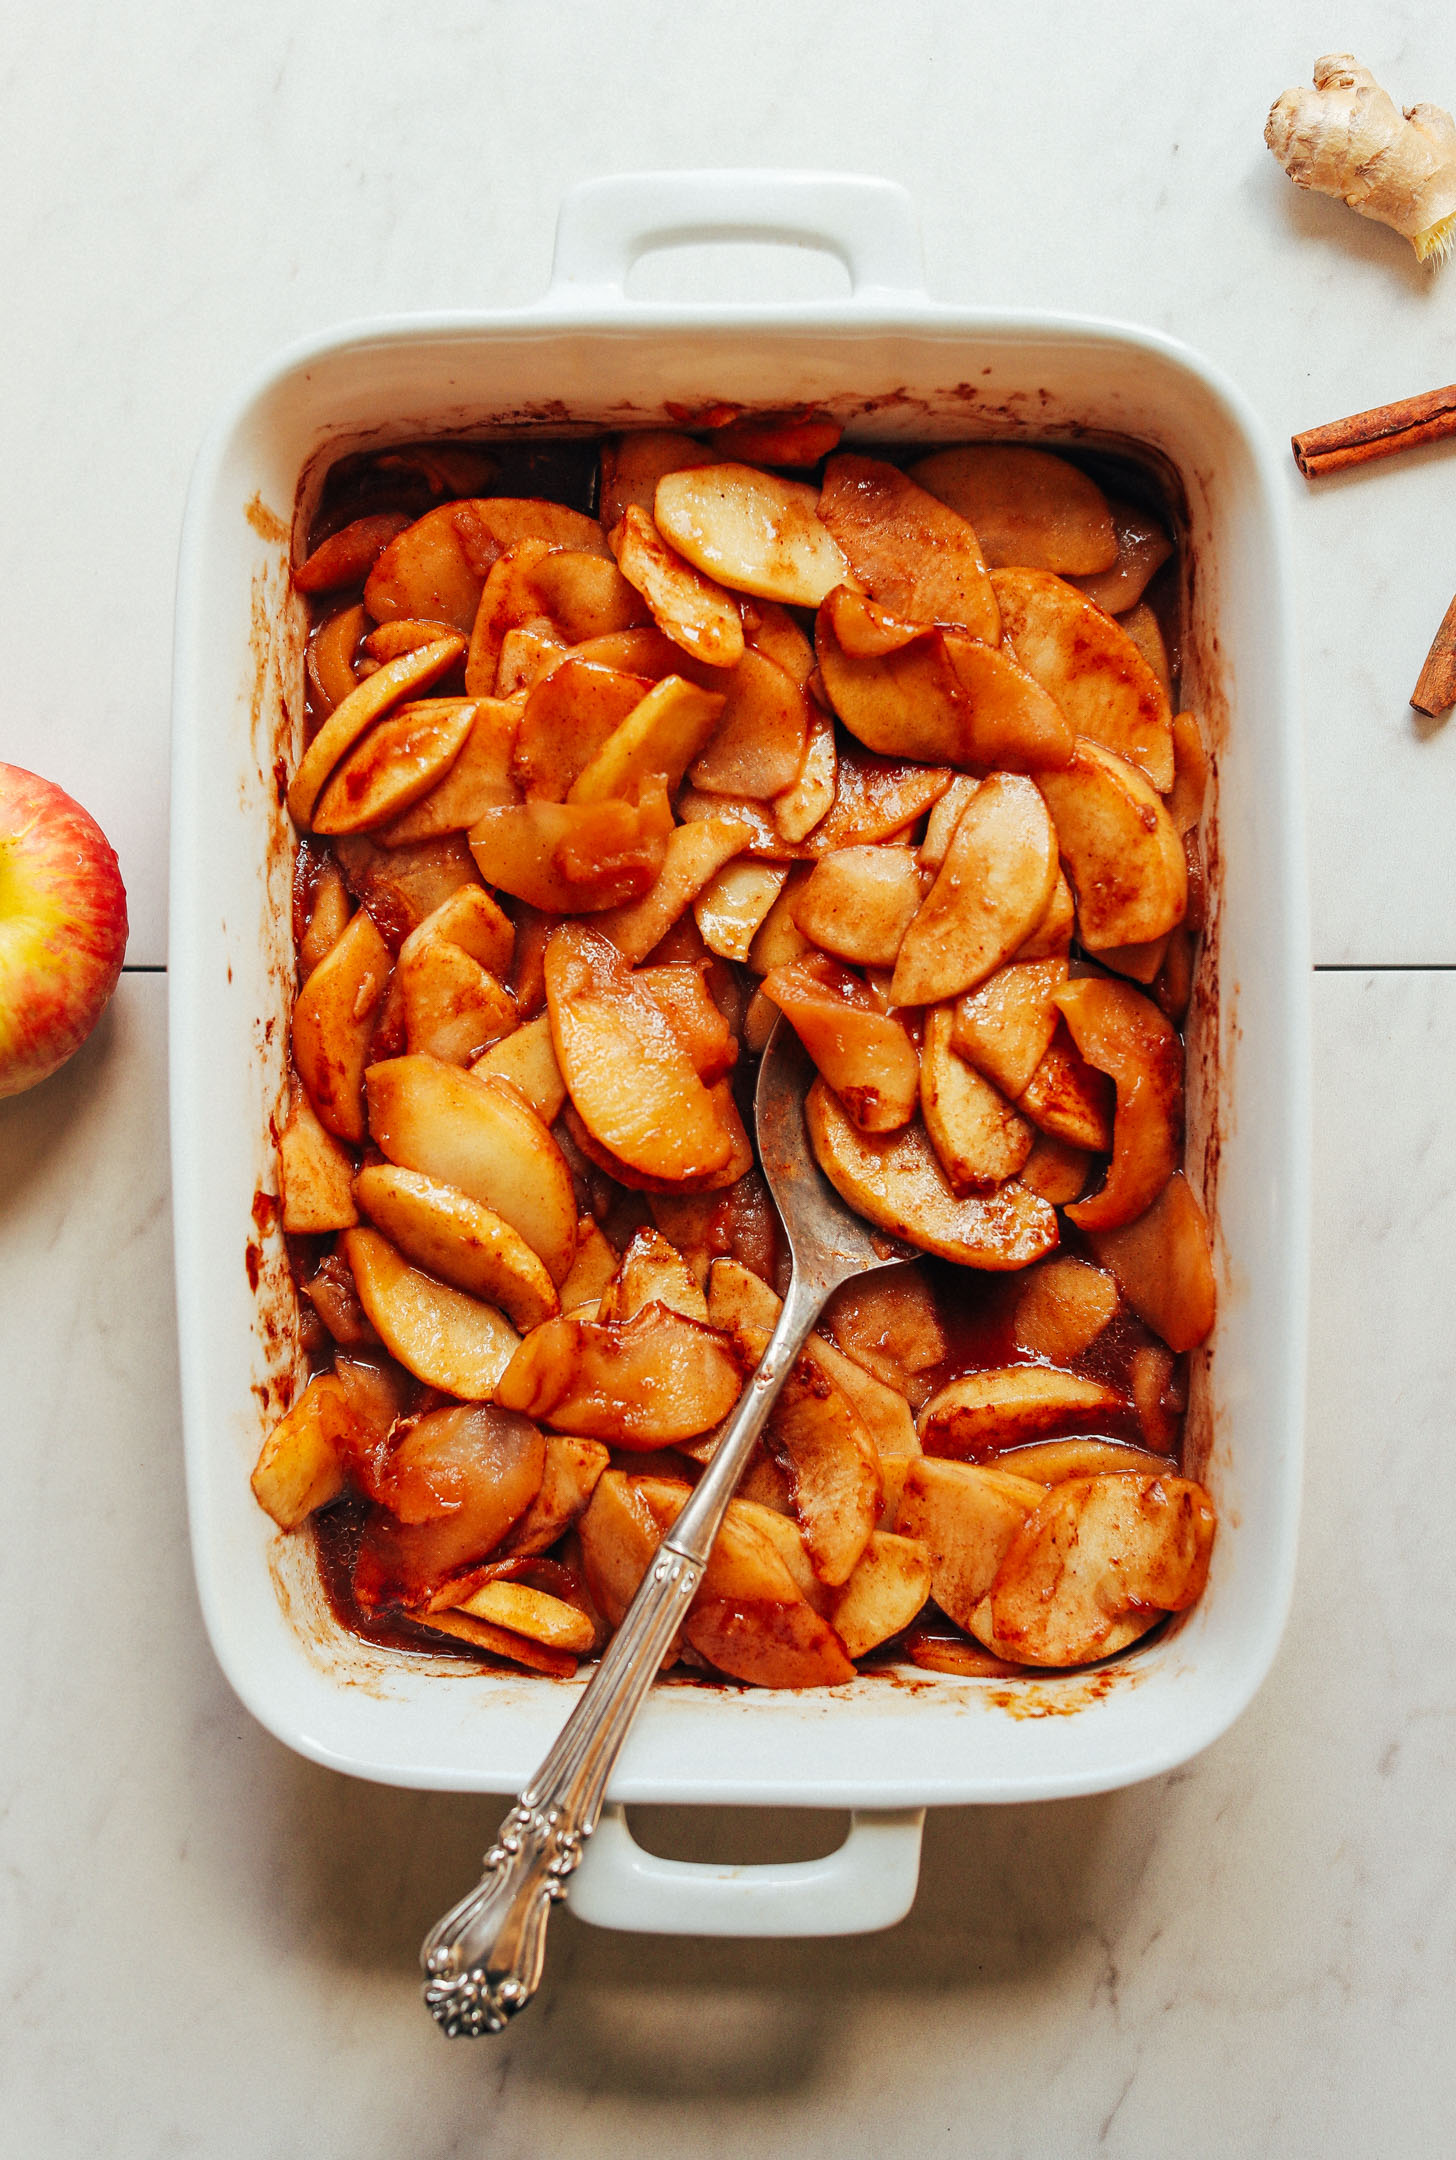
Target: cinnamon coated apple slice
column 752, row 531
column 662, row 734
column 575, row 858
column 1006, row 1027
column 302, row 1463
column 833, row 1469
column 315, row 1172
column 1028, row 506
column 454, row 1486
column 442, row 1335
column 896, row 1181
column 632, row 465
column 890, row 1583
column 983, row 1412
column 757, row 746
column 1122, row 1033
column 1090, row 666
column 1164, row 1265
column 436, row 568
column 652, row 1272
column 1143, row 546
column 353, row 718
column 567, row 717
column 1064, row 1305
column 733, row 904
column 477, row 781
column 858, row 902
column 450, row 1235
column 527, row 1059
column 1069, row 1100
column 865, row 1055
column 688, row 606
column 916, row 556
column 692, row 855
column 980, row 1139
column 1095, row 1565
column 992, row 889
column 398, row 761
column 333, row 1020
column 568, row 1479
column 799, row 809
column 631, row 1079
column 643, row 1383
column 482, row 1137
column 1121, row 849
column 965, row 1517
column 453, row 1007
column 1050, row 1462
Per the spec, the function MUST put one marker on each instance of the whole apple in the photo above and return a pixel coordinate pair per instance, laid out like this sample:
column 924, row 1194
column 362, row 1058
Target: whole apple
column 62, row 927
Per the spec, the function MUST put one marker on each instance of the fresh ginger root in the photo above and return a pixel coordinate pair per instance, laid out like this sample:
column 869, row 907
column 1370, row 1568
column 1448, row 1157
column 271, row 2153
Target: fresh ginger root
column 1346, row 137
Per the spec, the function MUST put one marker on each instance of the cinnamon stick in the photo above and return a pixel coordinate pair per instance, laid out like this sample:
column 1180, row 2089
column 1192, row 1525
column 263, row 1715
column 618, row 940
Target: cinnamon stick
column 1379, row 433
column 1435, row 690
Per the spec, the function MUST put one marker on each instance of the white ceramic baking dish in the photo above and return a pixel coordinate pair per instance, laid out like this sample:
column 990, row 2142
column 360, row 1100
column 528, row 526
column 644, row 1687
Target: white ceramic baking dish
column 896, row 367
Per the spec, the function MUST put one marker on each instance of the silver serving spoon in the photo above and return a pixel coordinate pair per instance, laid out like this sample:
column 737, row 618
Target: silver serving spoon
column 483, row 1962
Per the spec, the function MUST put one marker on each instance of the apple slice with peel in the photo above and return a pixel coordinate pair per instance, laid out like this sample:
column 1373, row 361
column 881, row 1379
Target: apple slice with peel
column 895, row 1180
column 644, row 1383
column 858, row 903
column 1069, row 1099
column 399, row 760
column 568, row 1480
column 575, row 858
column 992, row 889
column 652, row 1272
column 798, row 810
column 1048, row 1462
column 442, row 1335
column 301, row 1466
column 452, row 1236
column 1159, row 1395
column 751, row 531
column 662, row 734
column 1123, row 1034
column 315, row 1172
column 1164, row 1266
column 914, row 554
column 757, row 747
column 527, row 1059
column 1096, row 1564
column 882, row 1409
column 1005, row 1028
column 1121, row 849
column 482, row 1137
column 865, row 1055
column 566, row 719
column 478, row 780
column 984, row 1411
column 333, row 1020
column 693, row 854
column 455, row 1485
column 732, row 905
column 1063, row 1307
column 1190, row 772
column 1090, row 666
column 974, row 1130
column 632, row 465
column 833, row 1469
column 1028, row 506
column 687, row 605
column 890, row 1583
column 965, row 1517
column 629, row 1076
column 436, row 568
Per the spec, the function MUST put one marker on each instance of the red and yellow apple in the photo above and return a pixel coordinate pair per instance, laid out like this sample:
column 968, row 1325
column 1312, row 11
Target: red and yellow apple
column 62, row 927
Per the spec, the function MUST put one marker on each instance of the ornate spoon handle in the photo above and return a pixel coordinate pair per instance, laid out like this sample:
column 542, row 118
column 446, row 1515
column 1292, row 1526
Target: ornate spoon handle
column 483, row 1962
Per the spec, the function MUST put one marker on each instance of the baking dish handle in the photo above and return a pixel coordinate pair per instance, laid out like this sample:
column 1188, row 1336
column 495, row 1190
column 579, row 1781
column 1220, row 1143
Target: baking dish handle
column 868, row 1883
column 603, row 226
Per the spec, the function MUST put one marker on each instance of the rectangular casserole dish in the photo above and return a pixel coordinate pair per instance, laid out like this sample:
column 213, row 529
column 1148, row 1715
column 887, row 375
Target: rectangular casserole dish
column 894, row 366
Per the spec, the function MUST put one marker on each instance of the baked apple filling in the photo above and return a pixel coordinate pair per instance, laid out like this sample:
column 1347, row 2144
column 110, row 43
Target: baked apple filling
column 883, row 745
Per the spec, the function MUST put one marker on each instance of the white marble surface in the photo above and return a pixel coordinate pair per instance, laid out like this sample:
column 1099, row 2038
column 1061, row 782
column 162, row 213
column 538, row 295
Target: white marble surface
column 207, row 1945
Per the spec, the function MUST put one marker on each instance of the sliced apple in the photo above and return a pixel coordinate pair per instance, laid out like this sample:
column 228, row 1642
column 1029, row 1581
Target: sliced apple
column 966, row 1517
column 974, row 1130
column 882, row 1409
column 508, row 601
column 456, row 1484
column 528, row 653
column 401, row 886
column 1055, row 1169
column 330, row 661
column 1101, row 1556
column 652, row 1272
column 771, row 630
column 302, row 1463
column 790, row 438
column 1164, row 1265
column 315, row 1172
column 1143, row 546
column 941, row 824
column 1190, row 772
column 442, row 1335
column 1048, row 1462
column 914, row 554
column 890, row 1324
column 833, row 1469
column 592, row 1269
column 1028, row 506
column 1122, row 851
column 1123, row 1034
column 896, row 1181
column 652, row 1380
column 689, row 607
column 1052, row 937
column 1159, row 1395
column 662, row 734
column 357, row 714
column 982, row 1412
column 568, row 1480
column 346, row 557
column 453, row 1007
column 866, row 1056
column 738, row 1164
column 692, row 855
column 477, row 781
column 1063, row 1307
column 436, row 568
column 1090, row 666
column 574, row 858
column 1006, row 1027
column 858, row 903
column 1146, row 632
column 629, row 1076
column 890, row 1583
column 757, row 747
column 992, row 889
column 567, row 718
column 452, row 1236
column 698, row 1023
column 1069, row 1099
column 875, row 798
column 527, row 1058
column 732, row 905
column 752, row 531
column 738, row 1298
column 799, row 809
column 632, row 465
column 327, row 921
column 525, row 1611
column 333, row 1020
column 482, row 1137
